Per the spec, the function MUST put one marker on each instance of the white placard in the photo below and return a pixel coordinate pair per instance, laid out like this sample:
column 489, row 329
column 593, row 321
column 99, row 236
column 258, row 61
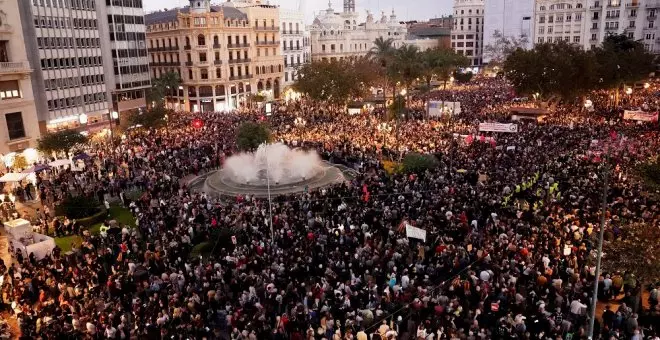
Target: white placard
column 415, row 232
column 640, row 116
column 498, row 127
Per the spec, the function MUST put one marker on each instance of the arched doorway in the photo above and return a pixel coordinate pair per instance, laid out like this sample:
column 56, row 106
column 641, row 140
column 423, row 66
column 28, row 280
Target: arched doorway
column 269, row 85
column 276, row 89
column 260, row 86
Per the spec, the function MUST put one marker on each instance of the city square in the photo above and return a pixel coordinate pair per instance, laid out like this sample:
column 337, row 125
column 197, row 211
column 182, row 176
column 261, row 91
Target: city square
column 242, row 170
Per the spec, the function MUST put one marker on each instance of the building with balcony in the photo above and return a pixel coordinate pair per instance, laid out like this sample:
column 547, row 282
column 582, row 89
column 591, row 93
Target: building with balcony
column 124, row 39
column 467, row 35
column 295, row 45
column 511, row 18
column 335, row 36
column 64, row 47
column 222, row 53
column 635, row 18
column 19, row 127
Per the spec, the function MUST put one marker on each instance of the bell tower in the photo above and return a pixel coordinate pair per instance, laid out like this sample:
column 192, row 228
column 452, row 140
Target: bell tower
column 349, row 6
column 200, row 6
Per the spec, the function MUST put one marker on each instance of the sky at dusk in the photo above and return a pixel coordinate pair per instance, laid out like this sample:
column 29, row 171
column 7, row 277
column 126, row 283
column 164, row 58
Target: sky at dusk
column 405, row 10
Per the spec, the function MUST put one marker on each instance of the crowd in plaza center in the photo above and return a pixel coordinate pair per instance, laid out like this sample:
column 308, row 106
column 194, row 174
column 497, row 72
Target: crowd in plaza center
column 511, row 221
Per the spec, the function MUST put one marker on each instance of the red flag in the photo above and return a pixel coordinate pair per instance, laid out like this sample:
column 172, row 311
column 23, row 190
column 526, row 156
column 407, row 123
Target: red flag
column 469, row 139
column 366, row 197
column 613, row 134
column 492, row 142
column 482, row 138
column 364, row 189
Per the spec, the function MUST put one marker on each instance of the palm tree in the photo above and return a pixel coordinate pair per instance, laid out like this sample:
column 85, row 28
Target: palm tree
column 169, row 82
column 383, row 53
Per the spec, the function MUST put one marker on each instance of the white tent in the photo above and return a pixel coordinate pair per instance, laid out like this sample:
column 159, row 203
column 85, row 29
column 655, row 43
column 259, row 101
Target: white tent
column 12, row 177
column 60, row 162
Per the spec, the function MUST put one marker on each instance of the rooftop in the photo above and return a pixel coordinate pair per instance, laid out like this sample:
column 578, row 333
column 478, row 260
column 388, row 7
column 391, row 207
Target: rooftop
column 170, row 14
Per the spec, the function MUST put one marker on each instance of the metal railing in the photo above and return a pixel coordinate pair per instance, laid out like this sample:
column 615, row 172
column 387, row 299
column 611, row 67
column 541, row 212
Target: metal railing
column 237, row 45
column 238, row 61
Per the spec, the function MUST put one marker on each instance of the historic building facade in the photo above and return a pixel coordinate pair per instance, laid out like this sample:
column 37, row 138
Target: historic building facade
column 340, row 35
column 19, row 128
column 222, row 53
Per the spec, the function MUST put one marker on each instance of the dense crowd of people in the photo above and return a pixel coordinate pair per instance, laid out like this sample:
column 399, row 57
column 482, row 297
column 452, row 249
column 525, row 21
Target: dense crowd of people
column 511, row 223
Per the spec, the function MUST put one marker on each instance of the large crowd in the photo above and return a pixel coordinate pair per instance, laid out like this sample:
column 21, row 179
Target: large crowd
column 512, row 223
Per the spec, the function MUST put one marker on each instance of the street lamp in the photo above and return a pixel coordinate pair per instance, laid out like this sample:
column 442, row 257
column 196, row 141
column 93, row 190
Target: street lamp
column 629, row 90
column 82, row 118
column 647, row 85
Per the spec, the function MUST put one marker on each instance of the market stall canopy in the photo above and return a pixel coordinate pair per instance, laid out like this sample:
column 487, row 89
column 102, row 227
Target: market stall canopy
column 60, row 162
column 12, row 177
column 81, row 156
column 36, row 168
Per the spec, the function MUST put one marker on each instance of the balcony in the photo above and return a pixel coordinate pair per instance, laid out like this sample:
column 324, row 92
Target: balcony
column 632, row 4
column 239, row 61
column 615, row 4
column 651, row 17
column 216, row 46
column 189, row 63
column 267, row 28
column 653, row 4
column 241, row 77
column 238, row 45
column 217, row 62
column 15, row 67
column 291, row 33
column 166, row 63
column 187, row 47
column 268, row 43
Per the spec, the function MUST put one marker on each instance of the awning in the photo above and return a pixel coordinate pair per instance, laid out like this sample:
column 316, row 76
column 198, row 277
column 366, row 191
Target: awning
column 12, row 177
column 36, row 168
column 60, row 162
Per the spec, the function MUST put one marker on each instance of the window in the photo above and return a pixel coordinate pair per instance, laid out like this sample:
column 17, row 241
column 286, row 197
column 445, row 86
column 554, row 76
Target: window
column 632, row 24
column 15, row 128
column 9, row 89
column 201, row 40
column 576, row 39
column 541, row 30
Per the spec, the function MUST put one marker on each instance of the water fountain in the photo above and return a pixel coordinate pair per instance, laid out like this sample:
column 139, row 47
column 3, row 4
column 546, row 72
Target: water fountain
column 274, row 167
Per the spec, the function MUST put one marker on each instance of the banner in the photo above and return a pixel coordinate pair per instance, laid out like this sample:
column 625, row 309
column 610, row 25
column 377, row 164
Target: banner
column 640, row 116
column 498, row 127
column 414, row 232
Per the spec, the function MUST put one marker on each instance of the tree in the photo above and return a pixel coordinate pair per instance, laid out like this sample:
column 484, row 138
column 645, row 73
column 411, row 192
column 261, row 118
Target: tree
column 416, row 163
column 164, row 87
column 335, row 81
column 622, row 60
column 463, row 77
column 552, row 69
column 250, row 135
column 61, row 141
column 397, row 107
column 502, row 46
column 383, row 54
column 153, row 117
column 440, row 63
column 406, row 65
